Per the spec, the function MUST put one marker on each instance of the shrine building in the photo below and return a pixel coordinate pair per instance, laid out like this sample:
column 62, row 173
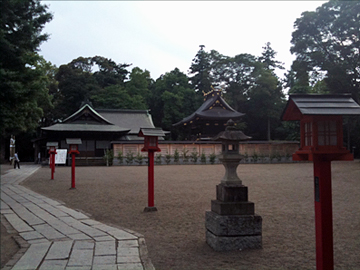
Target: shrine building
column 209, row 119
column 97, row 129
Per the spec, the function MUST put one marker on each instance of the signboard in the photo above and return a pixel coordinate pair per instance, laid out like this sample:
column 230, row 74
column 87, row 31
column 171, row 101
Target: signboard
column 60, row 157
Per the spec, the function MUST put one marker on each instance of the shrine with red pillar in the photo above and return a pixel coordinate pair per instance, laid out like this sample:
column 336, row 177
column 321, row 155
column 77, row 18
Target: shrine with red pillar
column 73, row 150
column 52, row 152
column 321, row 141
column 151, row 145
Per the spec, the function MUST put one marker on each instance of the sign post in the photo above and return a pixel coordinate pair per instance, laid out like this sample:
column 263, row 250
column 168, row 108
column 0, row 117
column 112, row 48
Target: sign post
column 73, row 150
column 321, row 141
column 151, row 145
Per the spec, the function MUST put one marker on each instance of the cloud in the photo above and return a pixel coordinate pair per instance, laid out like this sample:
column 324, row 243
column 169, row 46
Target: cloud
column 161, row 35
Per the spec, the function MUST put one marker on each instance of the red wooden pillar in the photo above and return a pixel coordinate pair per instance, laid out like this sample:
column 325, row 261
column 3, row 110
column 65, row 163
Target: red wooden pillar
column 323, row 214
column 52, row 165
column 73, row 170
column 151, row 203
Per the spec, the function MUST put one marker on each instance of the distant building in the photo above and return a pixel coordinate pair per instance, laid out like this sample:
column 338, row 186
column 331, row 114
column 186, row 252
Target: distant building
column 209, row 119
column 97, row 129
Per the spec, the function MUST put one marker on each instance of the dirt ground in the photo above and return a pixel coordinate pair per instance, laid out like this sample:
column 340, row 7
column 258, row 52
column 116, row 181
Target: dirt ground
column 175, row 234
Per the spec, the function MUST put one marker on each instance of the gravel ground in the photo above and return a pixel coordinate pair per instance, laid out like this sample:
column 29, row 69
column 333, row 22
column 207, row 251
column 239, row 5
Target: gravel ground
column 175, row 234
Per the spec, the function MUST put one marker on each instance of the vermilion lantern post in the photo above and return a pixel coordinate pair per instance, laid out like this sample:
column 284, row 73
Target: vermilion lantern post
column 52, row 152
column 73, row 150
column 151, row 145
column 321, row 141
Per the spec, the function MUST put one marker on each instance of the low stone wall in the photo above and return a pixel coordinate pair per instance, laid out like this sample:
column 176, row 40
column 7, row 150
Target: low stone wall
column 253, row 151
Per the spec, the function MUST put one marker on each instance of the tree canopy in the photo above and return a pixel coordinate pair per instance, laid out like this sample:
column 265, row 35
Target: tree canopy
column 326, row 44
column 22, row 86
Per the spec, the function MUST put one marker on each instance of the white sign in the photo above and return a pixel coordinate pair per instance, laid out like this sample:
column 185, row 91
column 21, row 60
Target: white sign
column 60, row 157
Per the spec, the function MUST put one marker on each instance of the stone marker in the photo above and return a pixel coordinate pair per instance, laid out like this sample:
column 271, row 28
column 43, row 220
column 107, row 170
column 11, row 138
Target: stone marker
column 232, row 223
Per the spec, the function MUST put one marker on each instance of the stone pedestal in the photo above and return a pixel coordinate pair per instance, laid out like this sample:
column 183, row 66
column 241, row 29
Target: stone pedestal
column 232, row 223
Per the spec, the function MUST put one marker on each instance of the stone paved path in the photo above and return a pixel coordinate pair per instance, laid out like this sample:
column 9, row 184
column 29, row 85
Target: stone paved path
column 55, row 237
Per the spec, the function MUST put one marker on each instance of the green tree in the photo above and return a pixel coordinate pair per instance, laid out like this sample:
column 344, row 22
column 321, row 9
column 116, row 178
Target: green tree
column 21, row 87
column 116, row 97
column 172, row 99
column 274, row 95
column 200, row 71
column 139, row 83
column 268, row 58
column 108, row 72
column 264, row 106
column 326, row 43
column 78, row 83
column 75, row 84
column 236, row 75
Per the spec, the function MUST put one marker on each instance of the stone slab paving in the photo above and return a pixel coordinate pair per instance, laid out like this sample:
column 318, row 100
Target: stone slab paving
column 53, row 236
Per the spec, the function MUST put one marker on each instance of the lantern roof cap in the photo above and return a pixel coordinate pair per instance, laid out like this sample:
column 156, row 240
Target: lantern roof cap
column 315, row 104
column 50, row 144
column 74, row 141
column 231, row 133
column 155, row 132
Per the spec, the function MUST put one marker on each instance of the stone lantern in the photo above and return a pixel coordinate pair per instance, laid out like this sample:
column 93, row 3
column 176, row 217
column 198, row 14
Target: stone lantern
column 232, row 223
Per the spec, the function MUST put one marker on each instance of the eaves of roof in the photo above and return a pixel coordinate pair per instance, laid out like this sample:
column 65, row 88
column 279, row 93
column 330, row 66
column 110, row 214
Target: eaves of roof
column 85, row 127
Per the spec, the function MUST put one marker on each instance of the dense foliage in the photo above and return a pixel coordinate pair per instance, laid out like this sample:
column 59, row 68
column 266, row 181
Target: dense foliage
column 326, row 43
column 22, row 80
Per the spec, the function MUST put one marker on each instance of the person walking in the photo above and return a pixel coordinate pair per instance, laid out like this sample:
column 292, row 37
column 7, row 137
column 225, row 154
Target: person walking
column 17, row 161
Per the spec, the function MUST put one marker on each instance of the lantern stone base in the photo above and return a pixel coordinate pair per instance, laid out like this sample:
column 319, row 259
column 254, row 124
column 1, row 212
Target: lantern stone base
column 234, row 232
column 232, row 223
column 229, row 243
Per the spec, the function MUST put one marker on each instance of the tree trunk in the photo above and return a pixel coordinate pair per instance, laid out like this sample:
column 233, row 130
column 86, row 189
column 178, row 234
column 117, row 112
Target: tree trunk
column 268, row 130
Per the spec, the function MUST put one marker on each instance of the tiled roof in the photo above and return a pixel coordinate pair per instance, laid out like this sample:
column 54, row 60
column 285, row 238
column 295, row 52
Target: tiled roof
column 130, row 119
column 311, row 104
column 207, row 110
column 85, row 127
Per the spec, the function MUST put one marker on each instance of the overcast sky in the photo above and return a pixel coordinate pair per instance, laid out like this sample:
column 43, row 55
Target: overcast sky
column 162, row 35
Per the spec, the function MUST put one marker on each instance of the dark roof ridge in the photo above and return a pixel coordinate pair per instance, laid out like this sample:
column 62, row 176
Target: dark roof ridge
column 122, row 110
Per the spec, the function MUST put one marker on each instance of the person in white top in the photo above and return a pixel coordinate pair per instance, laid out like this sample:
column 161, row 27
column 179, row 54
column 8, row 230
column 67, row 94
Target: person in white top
column 17, row 161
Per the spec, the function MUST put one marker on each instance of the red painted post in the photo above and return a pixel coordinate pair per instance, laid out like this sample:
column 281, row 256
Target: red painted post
column 52, row 165
column 53, row 156
column 73, row 170
column 323, row 214
column 151, row 179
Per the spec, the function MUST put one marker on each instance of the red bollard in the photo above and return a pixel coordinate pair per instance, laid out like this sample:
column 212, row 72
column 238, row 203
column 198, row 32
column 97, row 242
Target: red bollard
column 52, row 153
column 73, row 171
column 151, row 203
column 72, row 151
column 323, row 213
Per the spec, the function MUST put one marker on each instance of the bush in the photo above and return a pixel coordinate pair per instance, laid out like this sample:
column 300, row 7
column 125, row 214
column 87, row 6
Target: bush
column 246, row 157
column 109, row 157
column 158, row 159
column 120, row 157
column 176, row 156
column 168, row 158
column 139, row 158
column 185, row 155
column 194, row 156
column 203, row 158
column 255, row 157
column 212, row 158
column 129, row 158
